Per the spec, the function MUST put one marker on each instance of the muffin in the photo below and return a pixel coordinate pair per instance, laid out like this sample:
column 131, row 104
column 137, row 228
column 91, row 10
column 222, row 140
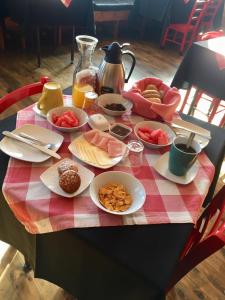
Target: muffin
column 67, row 165
column 69, row 181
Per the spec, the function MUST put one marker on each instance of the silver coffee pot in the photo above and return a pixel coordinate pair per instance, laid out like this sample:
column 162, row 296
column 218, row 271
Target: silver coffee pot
column 111, row 74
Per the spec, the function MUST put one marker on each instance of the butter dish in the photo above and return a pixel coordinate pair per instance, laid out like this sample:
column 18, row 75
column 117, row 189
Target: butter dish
column 98, row 121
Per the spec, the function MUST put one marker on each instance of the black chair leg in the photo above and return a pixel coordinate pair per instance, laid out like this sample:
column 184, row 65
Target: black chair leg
column 73, row 44
column 38, row 46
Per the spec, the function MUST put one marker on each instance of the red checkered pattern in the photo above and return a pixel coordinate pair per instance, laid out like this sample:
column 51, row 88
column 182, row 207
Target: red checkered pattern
column 41, row 211
column 66, row 2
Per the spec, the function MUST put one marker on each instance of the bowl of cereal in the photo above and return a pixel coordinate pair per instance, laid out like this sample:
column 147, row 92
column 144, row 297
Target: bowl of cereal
column 117, row 192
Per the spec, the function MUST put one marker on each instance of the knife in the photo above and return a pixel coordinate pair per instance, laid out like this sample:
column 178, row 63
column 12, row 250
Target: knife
column 41, row 148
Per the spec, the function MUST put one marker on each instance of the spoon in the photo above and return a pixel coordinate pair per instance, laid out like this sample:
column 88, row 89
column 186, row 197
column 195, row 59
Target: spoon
column 36, row 141
column 190, row 140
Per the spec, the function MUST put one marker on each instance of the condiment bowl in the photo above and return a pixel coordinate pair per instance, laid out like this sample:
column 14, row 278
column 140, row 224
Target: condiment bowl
column 131, row 184
column 110, row 98
column 80, row 114
column 155, row 125
column 120, row 131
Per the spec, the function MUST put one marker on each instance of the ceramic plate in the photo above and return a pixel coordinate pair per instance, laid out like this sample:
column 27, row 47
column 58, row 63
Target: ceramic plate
column 93, row 155
column 25, row 152
column 161, row 166
column 50, row 178
column 132, row 185
column 198, row 138
column 38, row 111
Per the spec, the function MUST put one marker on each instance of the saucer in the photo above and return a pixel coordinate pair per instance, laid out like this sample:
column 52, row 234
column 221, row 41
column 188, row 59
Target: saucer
column 161, row 166
column 38, row 111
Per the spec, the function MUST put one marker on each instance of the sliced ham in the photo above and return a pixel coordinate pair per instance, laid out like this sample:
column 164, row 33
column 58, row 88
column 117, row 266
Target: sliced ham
column 103, row 143
column 96, row 139
column 115, row 148
column 90, row 134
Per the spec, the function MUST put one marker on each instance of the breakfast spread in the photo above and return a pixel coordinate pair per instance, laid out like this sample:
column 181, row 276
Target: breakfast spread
column 114, row 197
column 157, row 136
column 115, row 107
column 67, row 119
column 152, row 94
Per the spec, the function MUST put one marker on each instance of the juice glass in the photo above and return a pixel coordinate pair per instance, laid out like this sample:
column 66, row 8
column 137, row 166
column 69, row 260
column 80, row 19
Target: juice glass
column 78, row 94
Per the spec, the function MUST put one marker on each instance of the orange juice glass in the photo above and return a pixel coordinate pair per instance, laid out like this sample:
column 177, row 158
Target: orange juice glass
column 78, row 94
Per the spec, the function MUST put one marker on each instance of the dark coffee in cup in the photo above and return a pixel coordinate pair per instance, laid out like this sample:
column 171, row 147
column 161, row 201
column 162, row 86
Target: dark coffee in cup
column 184, row 148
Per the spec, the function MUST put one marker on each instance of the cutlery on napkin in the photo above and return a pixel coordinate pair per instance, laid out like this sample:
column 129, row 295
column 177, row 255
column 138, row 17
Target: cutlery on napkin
column 25, row 141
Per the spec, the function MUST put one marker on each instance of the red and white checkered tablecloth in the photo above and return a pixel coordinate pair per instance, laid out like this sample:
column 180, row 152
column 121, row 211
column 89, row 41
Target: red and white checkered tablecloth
column 41, row 211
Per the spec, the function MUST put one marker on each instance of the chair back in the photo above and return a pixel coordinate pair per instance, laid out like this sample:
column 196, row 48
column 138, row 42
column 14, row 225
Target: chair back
column 21, row 93
column 203, row 242
column 197, row 12
column 210, row 13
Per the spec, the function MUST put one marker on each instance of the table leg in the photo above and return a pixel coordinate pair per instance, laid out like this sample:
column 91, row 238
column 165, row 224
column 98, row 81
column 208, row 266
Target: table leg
column 192, row 106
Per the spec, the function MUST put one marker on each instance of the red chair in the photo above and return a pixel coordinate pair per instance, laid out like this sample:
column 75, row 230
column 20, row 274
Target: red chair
column 21, row 93
column 183, row 34
column 203, row 242
column 209, row 15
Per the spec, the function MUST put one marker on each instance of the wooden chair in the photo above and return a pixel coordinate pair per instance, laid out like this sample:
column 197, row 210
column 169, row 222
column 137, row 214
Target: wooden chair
column 21, row 93
column 203, row 241
column 112, row 11
column 209, row 15
column 182, row 34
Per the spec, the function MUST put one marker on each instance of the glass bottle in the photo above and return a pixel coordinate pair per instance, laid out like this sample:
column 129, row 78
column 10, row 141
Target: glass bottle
column 84, row 77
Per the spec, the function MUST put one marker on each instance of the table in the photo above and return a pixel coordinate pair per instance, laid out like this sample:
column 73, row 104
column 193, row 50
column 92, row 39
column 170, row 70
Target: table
column 143, row 256
column 200, row 68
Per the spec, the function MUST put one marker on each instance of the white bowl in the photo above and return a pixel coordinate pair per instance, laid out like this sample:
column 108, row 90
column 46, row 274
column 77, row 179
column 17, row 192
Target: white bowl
column 120, row 137
column 131, row 184
column 81, row 115
column 114, row 98
column 155, row 125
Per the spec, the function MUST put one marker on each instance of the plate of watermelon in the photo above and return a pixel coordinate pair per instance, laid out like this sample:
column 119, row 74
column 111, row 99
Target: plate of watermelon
column 67, row 118
column 154, row 135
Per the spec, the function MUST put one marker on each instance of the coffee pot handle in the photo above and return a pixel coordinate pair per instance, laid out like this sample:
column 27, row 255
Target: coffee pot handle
column 131, row 54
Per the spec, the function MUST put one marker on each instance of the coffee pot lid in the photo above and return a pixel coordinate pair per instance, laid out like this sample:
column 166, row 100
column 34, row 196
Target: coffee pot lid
column 114, row 52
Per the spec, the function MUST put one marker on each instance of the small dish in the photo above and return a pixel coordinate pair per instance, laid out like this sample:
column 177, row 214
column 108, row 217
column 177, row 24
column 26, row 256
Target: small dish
column 120, row 131
column 50, row 178
column 105, row 99
column 80, row 114
column 38, row 111
column 132, row 185
column 161, row 166
column 155, row 125
column 98, row 121
column 25, row 152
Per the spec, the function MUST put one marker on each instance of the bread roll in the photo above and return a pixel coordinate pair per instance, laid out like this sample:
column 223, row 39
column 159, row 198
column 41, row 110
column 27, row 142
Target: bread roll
column 151, row 87
column 151, row 93
column 154, row 100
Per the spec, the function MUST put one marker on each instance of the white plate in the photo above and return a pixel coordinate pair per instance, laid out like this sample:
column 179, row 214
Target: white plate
column 50, row 178
column 132, row 185
column 203, row 142
column 25, row 152
column 161, row 166
column 110, row 162
column 38, row 111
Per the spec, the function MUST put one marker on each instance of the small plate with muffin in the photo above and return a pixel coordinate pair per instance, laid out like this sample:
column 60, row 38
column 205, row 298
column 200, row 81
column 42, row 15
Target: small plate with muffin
column 67, row 178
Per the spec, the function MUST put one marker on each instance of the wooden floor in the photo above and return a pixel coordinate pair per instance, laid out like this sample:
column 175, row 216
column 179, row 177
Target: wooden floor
column 18, row 68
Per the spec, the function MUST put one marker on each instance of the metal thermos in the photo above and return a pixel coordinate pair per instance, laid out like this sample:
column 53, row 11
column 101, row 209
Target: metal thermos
column 111, row 73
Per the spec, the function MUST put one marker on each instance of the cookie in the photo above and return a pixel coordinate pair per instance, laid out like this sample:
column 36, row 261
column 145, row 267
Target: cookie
column 69, row 181
column 67, row 165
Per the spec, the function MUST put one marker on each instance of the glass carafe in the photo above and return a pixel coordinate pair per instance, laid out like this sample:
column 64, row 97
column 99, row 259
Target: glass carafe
column 85, row 74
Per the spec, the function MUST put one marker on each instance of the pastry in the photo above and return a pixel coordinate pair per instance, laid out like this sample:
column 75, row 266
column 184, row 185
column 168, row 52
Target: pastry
column 151, row 87
column 67, row 165
column 69, row 181
column 150, row 93
column 154, row 100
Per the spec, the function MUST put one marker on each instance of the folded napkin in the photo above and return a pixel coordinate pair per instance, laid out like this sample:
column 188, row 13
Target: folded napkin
column 141, row 106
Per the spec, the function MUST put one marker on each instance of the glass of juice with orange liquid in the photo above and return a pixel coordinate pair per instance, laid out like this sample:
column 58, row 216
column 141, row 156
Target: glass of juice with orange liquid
column 78, row 94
